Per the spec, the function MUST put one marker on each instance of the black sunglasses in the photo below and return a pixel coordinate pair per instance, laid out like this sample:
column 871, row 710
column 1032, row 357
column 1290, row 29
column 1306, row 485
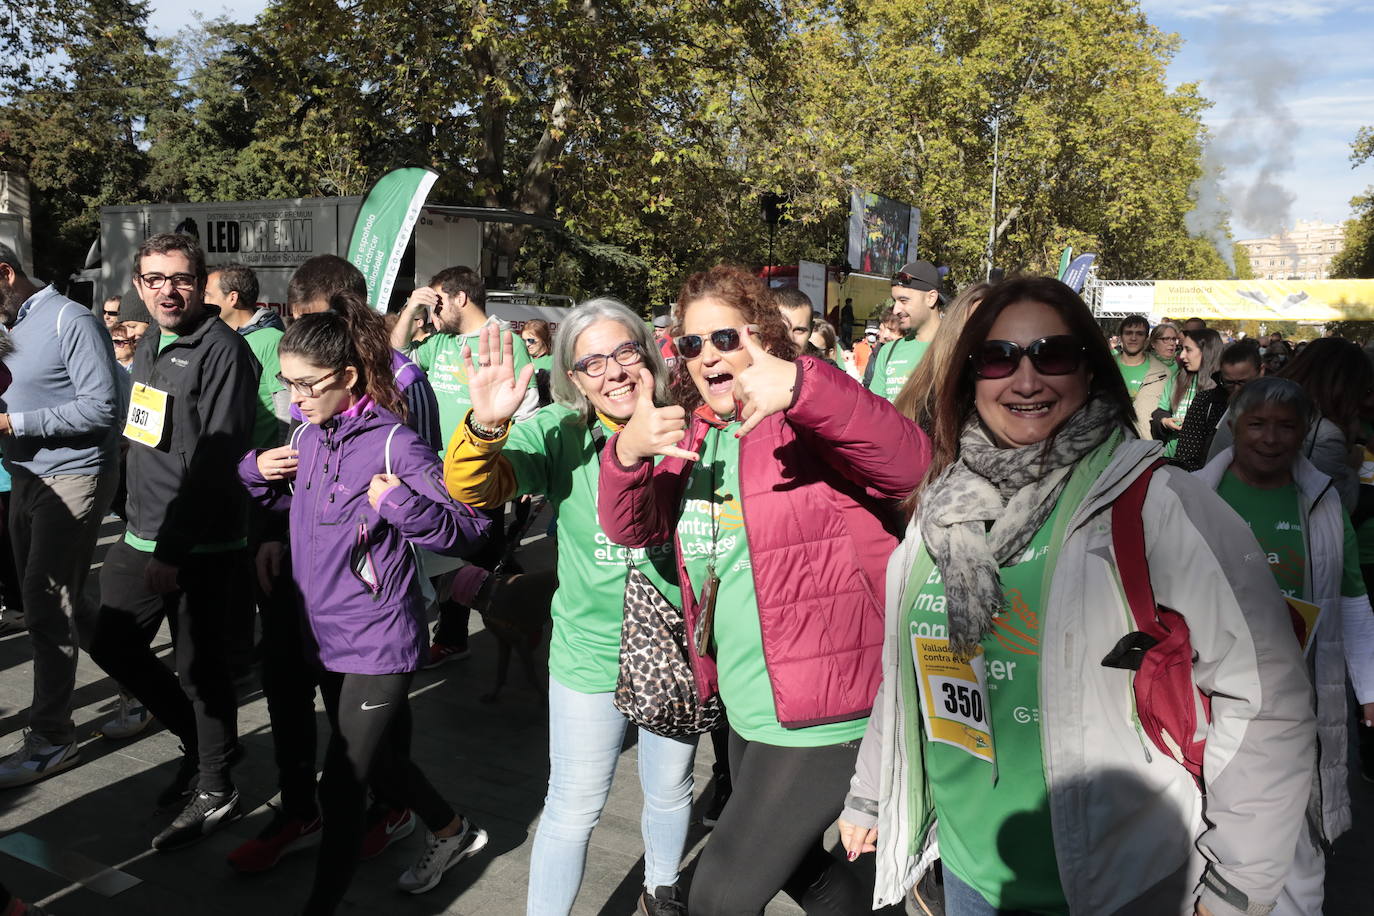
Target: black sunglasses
column 1061, row 354
column 725, row 340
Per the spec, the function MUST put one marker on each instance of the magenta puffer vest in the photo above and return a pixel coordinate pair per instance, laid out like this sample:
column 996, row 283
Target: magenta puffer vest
column 819, row 483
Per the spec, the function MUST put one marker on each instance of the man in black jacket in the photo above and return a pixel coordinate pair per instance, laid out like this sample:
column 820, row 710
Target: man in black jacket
column 190, row 420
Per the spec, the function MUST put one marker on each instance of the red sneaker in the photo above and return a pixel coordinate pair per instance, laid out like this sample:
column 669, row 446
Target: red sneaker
column 439, row 653
column 282, row 835
column 395, row 824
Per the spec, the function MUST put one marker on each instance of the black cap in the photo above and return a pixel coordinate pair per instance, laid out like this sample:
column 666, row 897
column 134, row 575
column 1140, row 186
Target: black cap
column 920, row 275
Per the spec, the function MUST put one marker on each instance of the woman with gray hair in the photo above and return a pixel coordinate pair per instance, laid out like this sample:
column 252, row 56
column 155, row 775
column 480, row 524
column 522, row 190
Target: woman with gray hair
column 1296, row 515
column 603, row 355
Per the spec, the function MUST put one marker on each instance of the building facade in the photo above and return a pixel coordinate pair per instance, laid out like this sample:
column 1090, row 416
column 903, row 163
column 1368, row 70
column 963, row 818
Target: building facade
column 1301, row 253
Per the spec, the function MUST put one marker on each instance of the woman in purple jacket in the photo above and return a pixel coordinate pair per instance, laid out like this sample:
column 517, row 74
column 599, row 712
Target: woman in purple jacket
column 779, row 484
column 361, row 488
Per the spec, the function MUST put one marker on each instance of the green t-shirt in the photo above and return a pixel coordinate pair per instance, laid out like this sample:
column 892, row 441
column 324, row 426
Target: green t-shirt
column 896, row 361
column 712, row 524
column 1179, row 413
column 1134, row 375
column 997, row 836
column 147, row 545
column 544, row 362
column 1365, row 533
column 553, row 454
column 441, row 356
column 1275, row 518
column 267, row 429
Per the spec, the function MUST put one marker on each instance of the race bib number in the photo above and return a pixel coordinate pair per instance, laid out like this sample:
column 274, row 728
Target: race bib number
column 954, row 696
column 1305, row 616
column 147, row 416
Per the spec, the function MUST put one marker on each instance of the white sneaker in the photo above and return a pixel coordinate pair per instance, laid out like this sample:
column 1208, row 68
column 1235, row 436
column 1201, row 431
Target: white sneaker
column 131, row 717
column 36, row 758
column 441, row 854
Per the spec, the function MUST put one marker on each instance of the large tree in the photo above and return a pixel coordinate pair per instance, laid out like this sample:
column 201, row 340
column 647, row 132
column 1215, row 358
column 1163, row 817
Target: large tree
column 1356, row 257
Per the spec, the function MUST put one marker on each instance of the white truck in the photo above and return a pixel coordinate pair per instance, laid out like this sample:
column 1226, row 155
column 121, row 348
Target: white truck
column 273, row 237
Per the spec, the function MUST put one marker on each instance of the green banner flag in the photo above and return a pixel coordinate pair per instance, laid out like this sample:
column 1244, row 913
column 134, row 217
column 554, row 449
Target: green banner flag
column 382, row 229
column 1064, row 261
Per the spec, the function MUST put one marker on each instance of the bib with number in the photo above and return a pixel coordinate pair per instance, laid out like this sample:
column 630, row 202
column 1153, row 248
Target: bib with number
column 147, row 415
column 954, row 696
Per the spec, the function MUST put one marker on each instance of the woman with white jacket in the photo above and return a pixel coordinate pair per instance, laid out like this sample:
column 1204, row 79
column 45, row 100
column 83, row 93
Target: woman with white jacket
column 1295, row 511
column 997, row 714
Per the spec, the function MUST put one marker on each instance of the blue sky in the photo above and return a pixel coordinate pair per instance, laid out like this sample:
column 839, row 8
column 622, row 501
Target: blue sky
column 1292, row 81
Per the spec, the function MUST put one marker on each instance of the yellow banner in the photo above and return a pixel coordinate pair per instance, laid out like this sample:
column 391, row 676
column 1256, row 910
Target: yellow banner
column 1264, row 300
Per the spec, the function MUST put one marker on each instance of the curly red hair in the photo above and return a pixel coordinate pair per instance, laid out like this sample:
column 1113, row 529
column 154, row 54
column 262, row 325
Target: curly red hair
column 738, row 288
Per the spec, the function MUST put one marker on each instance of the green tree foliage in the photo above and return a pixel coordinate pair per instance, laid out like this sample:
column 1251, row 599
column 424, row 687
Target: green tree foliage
column 649, row 130
column 74, row 118
column 1356, row 257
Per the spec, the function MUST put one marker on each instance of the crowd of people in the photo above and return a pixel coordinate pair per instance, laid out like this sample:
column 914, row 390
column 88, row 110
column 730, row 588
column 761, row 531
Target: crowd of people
column 1044, row 620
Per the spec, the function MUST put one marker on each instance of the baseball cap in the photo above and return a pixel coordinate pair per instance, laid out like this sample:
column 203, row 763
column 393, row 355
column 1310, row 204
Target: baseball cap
column 920, row 275
column 660, row 321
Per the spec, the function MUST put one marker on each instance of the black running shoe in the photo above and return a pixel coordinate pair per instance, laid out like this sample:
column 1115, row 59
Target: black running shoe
column 187, row 778
column 665, row 901
column 207, row 812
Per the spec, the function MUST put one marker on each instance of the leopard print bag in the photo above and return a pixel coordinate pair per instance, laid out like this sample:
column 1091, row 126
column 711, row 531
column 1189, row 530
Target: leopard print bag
column 657, row 689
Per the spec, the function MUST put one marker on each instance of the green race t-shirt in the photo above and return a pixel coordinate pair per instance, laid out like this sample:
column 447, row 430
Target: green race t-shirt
column 441, row 356
column 712, row 525
column 267, row 429
column 896, row 361
column 544, row 362
column 1179, row 413
column 1134, row 375
column 1365, row 534
column 1275, row 518
column 553, row 454
column 997, row 836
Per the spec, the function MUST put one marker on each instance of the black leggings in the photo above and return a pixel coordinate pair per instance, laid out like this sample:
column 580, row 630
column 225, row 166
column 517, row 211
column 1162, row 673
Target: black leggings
column 769, row 836
column 370, row 717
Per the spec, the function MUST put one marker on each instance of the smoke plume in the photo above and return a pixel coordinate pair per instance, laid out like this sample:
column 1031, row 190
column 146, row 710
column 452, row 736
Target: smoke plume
column 1253, row 80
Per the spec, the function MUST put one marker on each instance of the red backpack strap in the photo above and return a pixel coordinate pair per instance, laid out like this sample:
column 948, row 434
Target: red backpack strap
column 1128, row 543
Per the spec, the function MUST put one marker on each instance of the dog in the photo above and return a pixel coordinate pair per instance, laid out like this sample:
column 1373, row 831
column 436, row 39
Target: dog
column 515, row 610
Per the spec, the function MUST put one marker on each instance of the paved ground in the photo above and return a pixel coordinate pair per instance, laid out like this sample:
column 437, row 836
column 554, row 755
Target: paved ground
column 489, row 759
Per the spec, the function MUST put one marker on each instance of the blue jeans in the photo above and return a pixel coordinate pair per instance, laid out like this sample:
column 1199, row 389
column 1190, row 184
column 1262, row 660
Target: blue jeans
column 963, row 900
column 586, row 733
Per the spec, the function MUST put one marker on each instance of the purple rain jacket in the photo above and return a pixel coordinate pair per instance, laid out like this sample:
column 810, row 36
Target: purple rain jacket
column 353, row 564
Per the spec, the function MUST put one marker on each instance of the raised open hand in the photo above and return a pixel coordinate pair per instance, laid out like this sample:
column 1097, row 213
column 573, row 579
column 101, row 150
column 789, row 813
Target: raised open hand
column 493, row 386
column 766, row 387
column 652, row 430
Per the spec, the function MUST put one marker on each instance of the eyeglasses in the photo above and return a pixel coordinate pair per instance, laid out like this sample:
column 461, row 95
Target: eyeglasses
column 114, row 314
column 1174, row 339
column 725, row 340
column 122, row 341
column 1061, row 354
column 593, row 365
column 306, row 389
column 530, row 341
column 155, row 282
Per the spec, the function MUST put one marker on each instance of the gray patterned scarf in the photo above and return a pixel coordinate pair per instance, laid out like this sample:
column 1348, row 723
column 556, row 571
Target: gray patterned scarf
column 984, row 509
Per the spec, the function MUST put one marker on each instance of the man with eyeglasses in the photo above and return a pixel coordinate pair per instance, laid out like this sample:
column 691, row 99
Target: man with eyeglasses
column 57, row 432
column 190, row 421
column 918, row 304
column 1144, row 374
column 456, row 300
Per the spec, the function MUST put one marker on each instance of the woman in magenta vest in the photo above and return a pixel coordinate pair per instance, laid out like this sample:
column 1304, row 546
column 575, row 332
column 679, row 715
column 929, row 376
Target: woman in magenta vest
column 779, row 483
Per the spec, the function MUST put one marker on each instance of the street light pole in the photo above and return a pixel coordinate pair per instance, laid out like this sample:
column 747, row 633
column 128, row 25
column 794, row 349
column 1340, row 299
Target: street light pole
column 992, row 223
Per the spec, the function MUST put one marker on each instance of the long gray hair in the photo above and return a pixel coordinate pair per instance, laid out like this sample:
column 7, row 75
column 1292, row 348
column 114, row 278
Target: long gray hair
column 565, row 349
